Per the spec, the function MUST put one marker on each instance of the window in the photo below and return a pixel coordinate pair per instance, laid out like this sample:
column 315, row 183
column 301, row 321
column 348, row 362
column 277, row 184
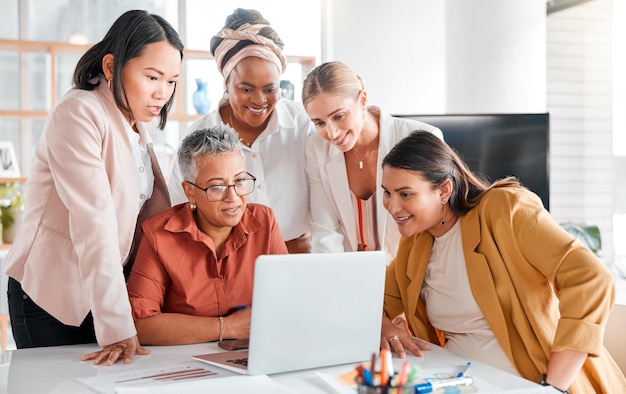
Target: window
column 33, row 76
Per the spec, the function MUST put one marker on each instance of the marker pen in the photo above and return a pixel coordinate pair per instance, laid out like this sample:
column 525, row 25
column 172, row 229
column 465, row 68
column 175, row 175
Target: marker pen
column 464, row 372
column 429, row 387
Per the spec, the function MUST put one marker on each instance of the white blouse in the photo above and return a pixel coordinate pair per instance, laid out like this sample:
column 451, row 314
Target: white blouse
column 277, row 160
column 145, row 175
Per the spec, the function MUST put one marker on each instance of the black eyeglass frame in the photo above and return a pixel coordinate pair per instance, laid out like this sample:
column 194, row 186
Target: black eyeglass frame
column 234, row 186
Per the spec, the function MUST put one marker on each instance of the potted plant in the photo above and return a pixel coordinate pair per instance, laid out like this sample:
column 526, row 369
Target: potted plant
column 588, row 235
column 11, row 210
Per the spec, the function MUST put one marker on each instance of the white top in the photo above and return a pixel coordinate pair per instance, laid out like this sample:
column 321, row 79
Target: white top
column 451, row 307
column 139, row 142
column 334, row 224
column 276, row 159
column 365, row 222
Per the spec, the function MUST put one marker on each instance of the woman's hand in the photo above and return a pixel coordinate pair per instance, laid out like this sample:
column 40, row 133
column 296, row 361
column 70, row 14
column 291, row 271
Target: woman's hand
column 563, row 367
column 394, row 336
column 111, row 353
column 237, row 324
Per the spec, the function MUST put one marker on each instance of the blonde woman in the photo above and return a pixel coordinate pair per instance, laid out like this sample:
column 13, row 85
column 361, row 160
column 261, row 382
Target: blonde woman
column 343, row 162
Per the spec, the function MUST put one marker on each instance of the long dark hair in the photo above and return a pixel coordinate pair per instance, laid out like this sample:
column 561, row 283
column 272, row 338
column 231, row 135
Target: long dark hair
column 436, row 161
column 126, row 40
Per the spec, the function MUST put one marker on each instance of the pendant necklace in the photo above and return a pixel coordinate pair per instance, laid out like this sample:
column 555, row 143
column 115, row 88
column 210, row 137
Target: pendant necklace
column 361, row 160
column 353, row 150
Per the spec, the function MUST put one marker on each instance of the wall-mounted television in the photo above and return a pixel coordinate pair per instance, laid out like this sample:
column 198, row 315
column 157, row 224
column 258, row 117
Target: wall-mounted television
column 499, row 145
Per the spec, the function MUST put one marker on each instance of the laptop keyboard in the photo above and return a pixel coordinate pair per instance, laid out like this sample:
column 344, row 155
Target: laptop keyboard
column 239, row 361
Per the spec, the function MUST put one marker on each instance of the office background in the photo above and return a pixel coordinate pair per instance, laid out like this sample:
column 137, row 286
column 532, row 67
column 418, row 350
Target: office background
column 416, row 57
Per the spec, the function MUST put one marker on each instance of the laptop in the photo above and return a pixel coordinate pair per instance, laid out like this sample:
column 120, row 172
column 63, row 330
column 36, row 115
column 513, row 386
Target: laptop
column 309, row 311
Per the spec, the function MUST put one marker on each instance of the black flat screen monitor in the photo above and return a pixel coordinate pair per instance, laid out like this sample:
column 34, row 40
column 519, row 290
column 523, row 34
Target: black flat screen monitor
column 499, row 145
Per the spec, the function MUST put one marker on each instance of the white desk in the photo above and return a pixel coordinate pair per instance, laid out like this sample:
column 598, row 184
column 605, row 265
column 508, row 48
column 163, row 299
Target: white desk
column 53, row 370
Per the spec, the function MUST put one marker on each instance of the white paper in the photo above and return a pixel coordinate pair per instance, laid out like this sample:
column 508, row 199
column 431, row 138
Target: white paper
column 170, row 375
column 334, row 384
column 261, row 384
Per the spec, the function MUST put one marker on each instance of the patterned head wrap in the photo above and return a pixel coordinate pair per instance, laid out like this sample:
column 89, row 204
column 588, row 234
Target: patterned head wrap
column 246, row 34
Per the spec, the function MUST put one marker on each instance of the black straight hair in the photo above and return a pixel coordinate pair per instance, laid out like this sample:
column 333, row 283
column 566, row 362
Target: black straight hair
column 126, row 40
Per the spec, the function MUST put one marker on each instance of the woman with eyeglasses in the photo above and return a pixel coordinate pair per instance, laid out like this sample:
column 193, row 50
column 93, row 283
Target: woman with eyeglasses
column 272, row 131
column 192, row 278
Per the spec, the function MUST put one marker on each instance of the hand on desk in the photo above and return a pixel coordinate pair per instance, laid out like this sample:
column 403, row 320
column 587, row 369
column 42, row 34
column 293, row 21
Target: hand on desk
column 237, row 324
column 396, row 337
column 111, row 353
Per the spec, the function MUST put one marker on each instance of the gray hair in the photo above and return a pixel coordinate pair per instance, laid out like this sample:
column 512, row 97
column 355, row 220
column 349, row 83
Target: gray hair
column 202, row 143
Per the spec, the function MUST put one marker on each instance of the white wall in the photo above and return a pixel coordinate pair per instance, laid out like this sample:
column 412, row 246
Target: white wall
column 495, row 56
column 397, row 46
column 428, row 57
column 490, row 56
column 579, row 94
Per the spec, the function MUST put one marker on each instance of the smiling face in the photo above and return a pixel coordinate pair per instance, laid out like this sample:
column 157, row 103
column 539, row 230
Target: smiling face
column 415, row 204
column 220, row 169
column 253, row 87
column 149, row 80
column 338, row 119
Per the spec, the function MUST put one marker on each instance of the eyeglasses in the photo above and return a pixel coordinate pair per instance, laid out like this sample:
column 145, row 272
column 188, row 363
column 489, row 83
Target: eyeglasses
column 215, row 193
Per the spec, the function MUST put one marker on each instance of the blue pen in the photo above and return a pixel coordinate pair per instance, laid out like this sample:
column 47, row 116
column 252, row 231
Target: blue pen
column 464, row 371
column 429, row 387
column 368, row 379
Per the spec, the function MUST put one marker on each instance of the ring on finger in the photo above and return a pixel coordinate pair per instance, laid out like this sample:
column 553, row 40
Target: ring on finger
column 393, row 338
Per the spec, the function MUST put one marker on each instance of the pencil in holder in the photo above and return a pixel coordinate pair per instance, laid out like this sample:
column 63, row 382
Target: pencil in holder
column 364, row 388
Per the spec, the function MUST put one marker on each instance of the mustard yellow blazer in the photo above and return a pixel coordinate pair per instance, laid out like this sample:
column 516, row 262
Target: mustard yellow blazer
column 539, row 288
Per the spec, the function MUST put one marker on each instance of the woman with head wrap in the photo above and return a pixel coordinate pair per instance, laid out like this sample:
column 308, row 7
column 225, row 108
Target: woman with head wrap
column 272, row 132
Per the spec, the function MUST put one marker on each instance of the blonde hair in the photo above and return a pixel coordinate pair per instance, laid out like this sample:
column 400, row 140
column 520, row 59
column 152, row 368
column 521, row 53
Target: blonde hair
column 333, row 78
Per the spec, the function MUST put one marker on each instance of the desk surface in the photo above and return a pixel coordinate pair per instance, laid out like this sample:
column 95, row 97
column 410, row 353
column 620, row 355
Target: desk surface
column 54, row 370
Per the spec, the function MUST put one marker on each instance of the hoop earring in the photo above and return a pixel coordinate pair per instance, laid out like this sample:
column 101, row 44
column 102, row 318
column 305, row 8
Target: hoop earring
column 192, row 206
column 443, row 219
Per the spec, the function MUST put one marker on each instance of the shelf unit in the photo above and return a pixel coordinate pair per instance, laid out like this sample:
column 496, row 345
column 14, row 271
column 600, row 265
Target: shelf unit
column 54, row 49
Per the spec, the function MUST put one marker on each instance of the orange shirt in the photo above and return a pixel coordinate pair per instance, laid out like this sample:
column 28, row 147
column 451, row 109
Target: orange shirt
column 177, row 271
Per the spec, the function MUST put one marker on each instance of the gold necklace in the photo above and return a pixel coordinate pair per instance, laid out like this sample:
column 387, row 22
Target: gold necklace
column 230, row 121
column 355, row 151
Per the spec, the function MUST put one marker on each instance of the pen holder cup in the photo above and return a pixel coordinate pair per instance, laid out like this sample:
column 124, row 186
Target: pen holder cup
column 363, row 388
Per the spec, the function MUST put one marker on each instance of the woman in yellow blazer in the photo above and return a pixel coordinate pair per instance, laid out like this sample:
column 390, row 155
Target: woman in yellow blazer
column 94, row 177
column 484, row 270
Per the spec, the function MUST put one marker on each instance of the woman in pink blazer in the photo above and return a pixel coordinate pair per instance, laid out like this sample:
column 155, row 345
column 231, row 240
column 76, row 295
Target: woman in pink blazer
column 94, row 178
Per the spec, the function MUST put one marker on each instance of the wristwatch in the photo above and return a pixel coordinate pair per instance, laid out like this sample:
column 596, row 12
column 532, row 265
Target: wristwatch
column 544, row 383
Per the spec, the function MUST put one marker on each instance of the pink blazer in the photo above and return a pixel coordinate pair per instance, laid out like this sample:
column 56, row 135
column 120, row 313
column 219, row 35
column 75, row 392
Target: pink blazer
column 81, row 212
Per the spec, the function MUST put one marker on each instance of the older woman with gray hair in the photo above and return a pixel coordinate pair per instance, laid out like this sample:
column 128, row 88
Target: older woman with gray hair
column 195, row 264
column 272, row 131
